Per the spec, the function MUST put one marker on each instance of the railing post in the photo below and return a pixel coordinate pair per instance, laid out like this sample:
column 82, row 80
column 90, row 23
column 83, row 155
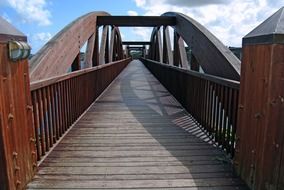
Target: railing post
column 260, row 134
column 17, row 143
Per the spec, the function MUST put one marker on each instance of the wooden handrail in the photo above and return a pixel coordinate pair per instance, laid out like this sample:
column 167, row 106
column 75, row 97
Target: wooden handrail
column 58, row 102
column 222, row 81
column 45, row 82
column 212, row 101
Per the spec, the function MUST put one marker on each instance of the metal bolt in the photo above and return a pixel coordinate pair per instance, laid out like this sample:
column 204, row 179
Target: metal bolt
column 257, row 115
column 29, row 107
column 17, row 168
column 10, row 116
column 281, row 99
column 15, row 154
column 18, row 182
column 273, row 102
column 253, row 151
column 32, row 140
column 241, row 107
column 277, row 145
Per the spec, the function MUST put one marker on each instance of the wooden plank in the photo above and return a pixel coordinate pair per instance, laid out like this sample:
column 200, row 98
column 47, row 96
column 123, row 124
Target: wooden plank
column 131, row 184
column 17, row 149
column 259, row 156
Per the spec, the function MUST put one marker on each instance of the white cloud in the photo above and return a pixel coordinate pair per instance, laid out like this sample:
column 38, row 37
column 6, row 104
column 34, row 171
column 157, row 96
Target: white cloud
column 142, row 33
column 132, row 13
column 42, row 37
column 31, row 11
column 194, row 3
column 6, row 17
column 38, row 39
column 228, row 20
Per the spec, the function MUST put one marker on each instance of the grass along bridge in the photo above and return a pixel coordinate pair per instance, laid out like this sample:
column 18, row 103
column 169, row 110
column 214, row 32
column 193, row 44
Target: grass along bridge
column 170, row 120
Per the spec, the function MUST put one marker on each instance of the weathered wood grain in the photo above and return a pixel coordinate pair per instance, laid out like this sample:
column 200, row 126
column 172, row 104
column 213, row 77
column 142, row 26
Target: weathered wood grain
column 136, row 136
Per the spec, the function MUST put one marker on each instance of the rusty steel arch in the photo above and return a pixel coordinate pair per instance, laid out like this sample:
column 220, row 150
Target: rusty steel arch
column 208, row 52
column 58, row 54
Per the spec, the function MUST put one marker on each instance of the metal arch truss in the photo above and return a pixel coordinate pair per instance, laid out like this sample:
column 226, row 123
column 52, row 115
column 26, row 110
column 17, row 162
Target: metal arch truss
column 206, row 51
column 63, row 50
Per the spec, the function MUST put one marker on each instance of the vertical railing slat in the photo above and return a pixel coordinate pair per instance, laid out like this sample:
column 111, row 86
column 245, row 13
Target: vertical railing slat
column 57, row 105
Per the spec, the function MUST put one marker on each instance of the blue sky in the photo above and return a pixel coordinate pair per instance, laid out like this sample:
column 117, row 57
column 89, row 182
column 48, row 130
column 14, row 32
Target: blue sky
column 228, row 20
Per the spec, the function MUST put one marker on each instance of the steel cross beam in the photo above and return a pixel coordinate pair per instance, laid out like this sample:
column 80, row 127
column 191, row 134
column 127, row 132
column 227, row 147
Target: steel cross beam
column 136, row 43
column 142, row 21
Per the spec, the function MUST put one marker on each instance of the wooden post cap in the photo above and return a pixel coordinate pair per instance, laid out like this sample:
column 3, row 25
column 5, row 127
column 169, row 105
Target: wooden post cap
column 8, row 32
column 271, row 31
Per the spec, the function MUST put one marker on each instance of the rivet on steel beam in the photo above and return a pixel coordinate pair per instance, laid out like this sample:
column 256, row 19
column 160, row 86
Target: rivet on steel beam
column 4, row 78
column 32, row 140
column 10, row 116
column 253, row 151
column 34, row 165
column 33, row 152
column 252, row 166
column 277, row 145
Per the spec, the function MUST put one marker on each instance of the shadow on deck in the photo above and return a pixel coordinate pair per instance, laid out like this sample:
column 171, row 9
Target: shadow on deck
column 136, row 136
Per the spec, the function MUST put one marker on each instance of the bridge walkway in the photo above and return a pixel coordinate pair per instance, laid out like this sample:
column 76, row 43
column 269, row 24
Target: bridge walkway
column 136, row 136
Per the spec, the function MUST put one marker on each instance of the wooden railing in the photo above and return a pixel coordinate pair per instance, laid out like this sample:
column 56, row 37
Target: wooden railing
column 212, row 101
column 58, row 102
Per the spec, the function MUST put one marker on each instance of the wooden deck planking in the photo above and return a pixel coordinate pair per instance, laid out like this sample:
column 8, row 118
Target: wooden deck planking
column 136, row 136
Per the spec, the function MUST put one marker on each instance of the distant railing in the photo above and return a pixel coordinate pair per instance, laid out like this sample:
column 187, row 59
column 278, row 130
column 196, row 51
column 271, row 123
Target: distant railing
column 212, row 101
column 58, row 102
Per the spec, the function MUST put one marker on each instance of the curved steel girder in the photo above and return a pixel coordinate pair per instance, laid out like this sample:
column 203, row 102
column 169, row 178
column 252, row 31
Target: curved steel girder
column 120, row 49
column 153, row 51
column 57, row 55
column 213, row 56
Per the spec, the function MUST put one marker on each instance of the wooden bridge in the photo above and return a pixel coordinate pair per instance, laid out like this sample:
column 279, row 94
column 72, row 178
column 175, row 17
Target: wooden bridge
column 193, row 117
